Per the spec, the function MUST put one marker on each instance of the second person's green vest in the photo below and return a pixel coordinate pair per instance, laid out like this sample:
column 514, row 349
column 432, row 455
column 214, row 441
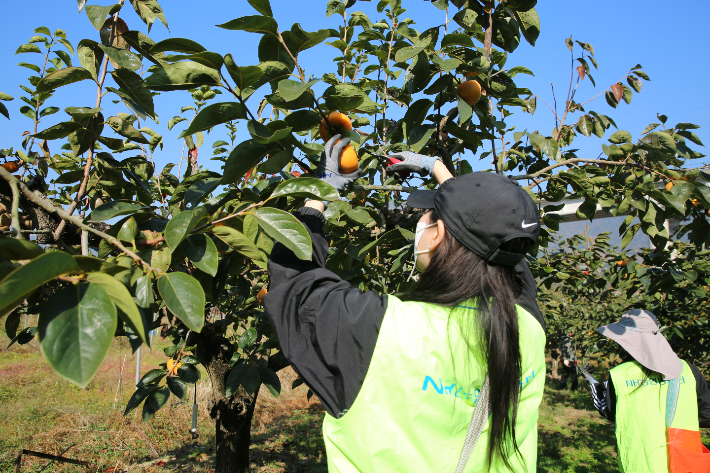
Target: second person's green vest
column 641, row 416
column 415, row 405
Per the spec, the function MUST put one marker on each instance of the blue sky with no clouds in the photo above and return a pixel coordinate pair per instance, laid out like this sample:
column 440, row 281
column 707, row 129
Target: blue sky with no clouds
column 670, row 43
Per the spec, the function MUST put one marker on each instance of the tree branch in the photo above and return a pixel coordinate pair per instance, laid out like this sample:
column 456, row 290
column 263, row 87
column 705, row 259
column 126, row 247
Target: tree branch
column 92, row 140
column 15, row 212
column 64, row 215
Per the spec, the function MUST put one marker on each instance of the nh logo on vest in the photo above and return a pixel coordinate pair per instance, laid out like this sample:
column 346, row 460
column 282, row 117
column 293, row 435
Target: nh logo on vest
column 650, row 382
column 450, row 391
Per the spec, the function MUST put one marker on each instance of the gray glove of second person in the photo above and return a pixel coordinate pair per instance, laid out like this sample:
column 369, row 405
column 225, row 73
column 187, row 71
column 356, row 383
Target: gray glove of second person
column 411, row 162
column 329, row 167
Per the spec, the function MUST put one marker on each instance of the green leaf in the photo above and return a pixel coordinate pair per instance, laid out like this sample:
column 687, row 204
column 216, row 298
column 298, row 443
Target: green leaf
column 152, row 376
column 276, row 162
column 202, row 252
column 419, row 136
column 60, row 130
column 91, row 57
column 458, row 39
column 244, row 375
column 28, row 48
column 138, row 396
column 148, row 11
column 89, row 264
column 290, row 90
column 76, row 327
column 262, row 6
column 184, row 297
column 156, row 400
column 65, row 76
column 122, row 299
column 308, row 187
column 343, row 97
column 113, row 209
column 247, row 339
column 125, row 129
column 270, row 380
column 529, row 22
column 134, row 87
column 180, row 45
column 122, row 57
column 213, row 115
column 243, row 76
column 620, row 137
column 13, row 249
column 48, row 111
column 384, row 238
column 252, row 24
column 286, row 229
column 300, row 40
column 189, row 373
column 30, row 66
column 244, row 157
column 4, row 111
column 200, row 190
column 415, row 115
column 263, row 135
column 237, row 241
column 551, row 148
column 182, row 76
column 97, row 14
column 180, row 226
column 178, row 387
column 302, row 120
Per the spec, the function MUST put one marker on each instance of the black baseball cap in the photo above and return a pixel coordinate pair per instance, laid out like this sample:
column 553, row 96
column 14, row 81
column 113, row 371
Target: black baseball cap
column 483, row 210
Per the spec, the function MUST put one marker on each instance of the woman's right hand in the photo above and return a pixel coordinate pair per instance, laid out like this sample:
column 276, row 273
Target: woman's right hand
column 419, row 163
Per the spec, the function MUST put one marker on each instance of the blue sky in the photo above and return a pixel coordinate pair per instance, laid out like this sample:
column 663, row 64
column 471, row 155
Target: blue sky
column 670, row 43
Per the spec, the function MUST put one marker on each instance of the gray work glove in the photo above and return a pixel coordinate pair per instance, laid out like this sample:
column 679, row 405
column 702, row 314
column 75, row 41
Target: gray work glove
column 585, row 370
column 412, row 162
column 329, row 167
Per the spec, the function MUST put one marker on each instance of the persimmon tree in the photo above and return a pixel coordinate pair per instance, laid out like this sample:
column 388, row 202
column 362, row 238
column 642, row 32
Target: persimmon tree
column 121, row 249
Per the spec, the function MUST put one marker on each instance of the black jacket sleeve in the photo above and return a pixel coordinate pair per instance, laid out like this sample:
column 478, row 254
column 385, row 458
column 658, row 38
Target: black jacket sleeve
column 327, row 328
column 701, row 388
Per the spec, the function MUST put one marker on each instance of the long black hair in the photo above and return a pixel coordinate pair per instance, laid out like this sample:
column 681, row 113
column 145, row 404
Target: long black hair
column 456, row 274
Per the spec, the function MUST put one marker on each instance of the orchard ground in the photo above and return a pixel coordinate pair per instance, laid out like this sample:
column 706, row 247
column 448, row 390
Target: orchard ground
column 42, row 412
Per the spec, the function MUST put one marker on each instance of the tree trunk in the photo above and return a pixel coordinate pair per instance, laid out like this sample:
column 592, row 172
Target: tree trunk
column 233, row 415
column 233, row 434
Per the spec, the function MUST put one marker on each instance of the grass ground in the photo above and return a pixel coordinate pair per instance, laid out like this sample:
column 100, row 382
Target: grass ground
column 42, row 412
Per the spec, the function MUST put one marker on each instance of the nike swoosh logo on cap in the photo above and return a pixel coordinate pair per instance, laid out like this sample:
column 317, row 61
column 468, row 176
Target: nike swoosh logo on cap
column 528, row 225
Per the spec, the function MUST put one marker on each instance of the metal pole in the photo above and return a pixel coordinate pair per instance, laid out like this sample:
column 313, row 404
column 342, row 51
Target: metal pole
column 138, row 365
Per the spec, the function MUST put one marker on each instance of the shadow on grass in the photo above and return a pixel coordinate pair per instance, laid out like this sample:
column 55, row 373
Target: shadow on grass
column 291, row 443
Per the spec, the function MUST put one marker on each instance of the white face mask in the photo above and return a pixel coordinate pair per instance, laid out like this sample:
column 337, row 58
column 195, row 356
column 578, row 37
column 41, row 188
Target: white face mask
column 421, row 226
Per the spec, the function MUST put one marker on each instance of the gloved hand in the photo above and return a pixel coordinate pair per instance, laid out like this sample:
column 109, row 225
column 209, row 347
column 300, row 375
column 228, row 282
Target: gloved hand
column 412, row 162
column 329, row 167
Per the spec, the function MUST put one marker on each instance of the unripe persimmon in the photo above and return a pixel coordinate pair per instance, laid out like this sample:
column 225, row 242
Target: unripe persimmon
column 338, row 120
column 469, row 91
column 669, row 186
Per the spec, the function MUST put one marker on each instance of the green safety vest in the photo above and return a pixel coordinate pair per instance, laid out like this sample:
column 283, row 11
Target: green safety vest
column 641, row 416
column 416, row 402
